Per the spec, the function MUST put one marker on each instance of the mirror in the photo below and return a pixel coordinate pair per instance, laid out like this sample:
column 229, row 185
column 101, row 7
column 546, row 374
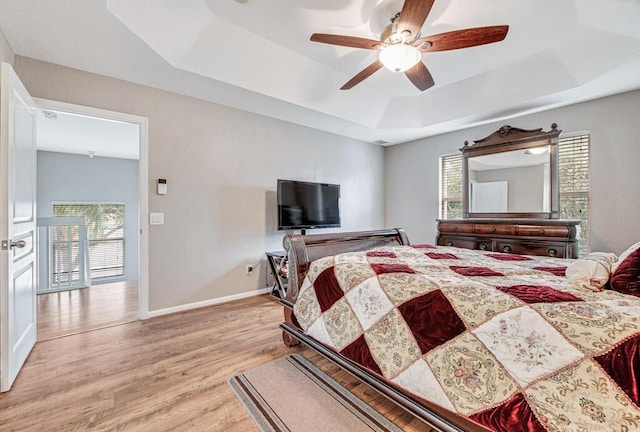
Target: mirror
column 516, row 181
column 511, row 173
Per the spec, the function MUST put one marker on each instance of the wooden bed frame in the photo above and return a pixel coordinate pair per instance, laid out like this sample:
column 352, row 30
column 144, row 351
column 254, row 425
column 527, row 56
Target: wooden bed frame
column 301, row 251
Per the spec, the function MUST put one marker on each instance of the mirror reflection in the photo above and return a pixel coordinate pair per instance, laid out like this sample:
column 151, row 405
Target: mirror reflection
column 517, row 181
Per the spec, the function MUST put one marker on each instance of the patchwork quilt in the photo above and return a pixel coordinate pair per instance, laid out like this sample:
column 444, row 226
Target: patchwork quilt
column 504, row 340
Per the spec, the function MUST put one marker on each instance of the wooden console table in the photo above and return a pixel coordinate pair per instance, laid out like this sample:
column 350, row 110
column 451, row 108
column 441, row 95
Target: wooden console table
column 546, row 237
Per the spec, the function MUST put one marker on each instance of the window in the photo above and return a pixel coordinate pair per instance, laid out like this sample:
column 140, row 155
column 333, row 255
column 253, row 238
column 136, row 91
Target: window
column 573, row 160
column 105, row 234
column 451, row 186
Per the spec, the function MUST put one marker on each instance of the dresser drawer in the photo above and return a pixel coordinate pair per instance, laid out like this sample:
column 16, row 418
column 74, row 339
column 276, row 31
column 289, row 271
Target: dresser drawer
column 465, row 242
column 527, row 248
column 456, row 227
column 543, row 231
column 501, row 229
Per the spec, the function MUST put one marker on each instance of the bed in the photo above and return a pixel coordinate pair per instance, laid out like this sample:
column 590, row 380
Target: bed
column 467, row 340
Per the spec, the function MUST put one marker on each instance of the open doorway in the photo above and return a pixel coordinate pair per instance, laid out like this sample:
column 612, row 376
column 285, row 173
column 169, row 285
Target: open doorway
column 92, row 167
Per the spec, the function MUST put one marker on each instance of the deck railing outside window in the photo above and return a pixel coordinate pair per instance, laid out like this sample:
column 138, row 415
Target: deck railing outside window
column 63, row 254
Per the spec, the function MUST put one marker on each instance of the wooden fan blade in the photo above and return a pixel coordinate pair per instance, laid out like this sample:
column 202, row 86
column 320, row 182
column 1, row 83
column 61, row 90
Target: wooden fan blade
column 348, row 41
column 462, row 38
column 413, row 15
column 364, row 73
column 420, row 76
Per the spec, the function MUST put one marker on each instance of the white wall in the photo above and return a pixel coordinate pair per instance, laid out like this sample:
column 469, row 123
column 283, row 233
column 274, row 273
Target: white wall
column 411, row 169
column 76, row 178
column 6, row 53
column 221, row 165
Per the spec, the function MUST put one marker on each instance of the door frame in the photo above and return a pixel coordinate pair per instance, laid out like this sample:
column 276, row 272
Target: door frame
column 143, row 188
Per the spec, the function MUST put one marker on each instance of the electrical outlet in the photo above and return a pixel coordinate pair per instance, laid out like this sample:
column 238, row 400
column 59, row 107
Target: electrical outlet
column 249, row 269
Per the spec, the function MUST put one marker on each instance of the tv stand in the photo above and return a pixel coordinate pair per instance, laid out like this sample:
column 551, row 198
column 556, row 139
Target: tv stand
column 280, row 271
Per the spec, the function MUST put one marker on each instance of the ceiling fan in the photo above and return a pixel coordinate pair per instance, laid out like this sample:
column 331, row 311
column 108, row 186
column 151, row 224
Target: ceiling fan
column 401, row 47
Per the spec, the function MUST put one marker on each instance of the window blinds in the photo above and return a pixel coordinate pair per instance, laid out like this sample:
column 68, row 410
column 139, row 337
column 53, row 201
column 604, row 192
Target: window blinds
column 573, row 161
column 451, row 186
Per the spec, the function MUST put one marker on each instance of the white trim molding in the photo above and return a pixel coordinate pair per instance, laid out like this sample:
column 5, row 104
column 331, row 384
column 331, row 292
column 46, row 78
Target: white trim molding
column 206, row 303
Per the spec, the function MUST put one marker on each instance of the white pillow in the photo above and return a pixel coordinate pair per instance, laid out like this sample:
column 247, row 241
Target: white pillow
column 592, row 271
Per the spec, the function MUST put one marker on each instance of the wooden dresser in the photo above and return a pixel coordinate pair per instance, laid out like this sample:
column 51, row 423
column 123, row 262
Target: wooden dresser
column 546, row 237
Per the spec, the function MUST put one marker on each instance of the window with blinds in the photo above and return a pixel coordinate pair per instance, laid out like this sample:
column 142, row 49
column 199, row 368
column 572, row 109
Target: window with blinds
column 105, row 234
column 573, row 161
column 451, row 186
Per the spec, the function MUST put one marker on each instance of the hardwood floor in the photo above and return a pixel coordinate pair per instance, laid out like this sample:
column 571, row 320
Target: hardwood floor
column 67, row 312
column 163, row 374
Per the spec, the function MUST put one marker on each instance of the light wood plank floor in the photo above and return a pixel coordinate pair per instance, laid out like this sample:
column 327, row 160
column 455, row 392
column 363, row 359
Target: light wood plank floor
column 68, row 312
column 163, row 374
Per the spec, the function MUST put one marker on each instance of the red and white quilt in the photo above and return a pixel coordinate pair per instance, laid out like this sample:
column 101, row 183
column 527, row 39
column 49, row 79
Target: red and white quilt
column 504, row 340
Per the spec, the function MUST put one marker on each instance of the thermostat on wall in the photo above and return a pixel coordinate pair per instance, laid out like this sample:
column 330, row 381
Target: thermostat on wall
column 162, row 186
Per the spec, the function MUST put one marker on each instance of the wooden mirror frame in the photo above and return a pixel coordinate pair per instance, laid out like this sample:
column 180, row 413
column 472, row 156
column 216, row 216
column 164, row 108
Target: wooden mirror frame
column 509, row 138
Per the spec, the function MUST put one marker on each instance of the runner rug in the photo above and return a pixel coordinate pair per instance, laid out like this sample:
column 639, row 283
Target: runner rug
column 291, row 394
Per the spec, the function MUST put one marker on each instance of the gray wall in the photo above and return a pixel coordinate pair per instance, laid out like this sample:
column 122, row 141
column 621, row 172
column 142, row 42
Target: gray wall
column 221, row 165
column 76, row 178
column 6, row 54
column 411, row 169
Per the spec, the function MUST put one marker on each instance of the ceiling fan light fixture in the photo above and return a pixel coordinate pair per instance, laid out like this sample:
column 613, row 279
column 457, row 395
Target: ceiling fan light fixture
column 399, row 57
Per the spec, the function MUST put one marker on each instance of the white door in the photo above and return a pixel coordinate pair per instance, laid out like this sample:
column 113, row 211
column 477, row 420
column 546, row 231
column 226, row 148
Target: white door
column 17, row 225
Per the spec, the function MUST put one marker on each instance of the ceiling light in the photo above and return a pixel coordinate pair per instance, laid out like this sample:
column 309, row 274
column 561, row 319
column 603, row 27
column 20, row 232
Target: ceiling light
column 536, row 150
column 399, row 57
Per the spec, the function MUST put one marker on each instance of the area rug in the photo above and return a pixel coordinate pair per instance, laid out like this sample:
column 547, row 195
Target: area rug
column 291, row 394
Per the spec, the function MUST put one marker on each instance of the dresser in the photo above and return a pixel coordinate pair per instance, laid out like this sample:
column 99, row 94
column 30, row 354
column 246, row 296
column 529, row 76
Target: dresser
column 545, row 237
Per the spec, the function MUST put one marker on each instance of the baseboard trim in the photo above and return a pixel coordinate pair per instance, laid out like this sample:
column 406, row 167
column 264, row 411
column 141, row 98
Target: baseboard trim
column 205, row 303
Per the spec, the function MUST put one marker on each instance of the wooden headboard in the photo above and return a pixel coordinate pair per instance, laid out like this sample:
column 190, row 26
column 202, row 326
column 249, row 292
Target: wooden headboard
column 303, row 249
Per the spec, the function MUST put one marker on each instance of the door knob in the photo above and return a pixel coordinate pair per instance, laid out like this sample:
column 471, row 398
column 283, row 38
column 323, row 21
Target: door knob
column 10, row 244
column 17, row 244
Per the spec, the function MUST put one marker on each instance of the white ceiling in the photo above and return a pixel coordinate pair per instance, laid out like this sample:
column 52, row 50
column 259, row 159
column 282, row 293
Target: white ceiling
column 256, row 55
column 91, row 136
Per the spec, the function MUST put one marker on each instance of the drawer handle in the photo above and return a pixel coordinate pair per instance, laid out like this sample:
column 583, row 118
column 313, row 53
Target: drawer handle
column 541, row 231
column 507, row 249
column 449, row 243
column 483, row 246
column 552, row 252
column 494, row 229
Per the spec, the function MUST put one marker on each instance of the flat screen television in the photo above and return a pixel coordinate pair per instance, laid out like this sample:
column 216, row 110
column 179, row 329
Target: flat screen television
column 306, row 205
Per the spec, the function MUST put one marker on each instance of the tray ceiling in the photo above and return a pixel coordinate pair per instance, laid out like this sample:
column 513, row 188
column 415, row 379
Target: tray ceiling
column 256, row 56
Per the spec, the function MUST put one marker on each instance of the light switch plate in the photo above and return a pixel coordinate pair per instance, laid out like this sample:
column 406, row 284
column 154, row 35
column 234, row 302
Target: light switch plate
column 156, row 218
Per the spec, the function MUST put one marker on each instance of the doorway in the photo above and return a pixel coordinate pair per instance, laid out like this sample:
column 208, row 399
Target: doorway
column 93, row 159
